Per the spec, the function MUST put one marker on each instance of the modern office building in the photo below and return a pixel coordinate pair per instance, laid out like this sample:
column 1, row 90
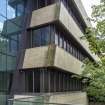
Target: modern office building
column 41, row 50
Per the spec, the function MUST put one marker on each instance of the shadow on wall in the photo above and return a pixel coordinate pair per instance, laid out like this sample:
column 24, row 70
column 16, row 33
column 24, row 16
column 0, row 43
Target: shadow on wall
column 97, row 103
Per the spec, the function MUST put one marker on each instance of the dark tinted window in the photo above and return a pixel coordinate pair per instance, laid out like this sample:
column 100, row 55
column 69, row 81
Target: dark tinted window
column 36, row 38
column 53, row 35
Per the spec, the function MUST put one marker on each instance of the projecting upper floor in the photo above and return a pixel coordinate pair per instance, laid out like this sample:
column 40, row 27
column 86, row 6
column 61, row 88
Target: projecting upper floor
column 74, row 7
column 54, row 25
column 50, row 57
column 57, row 13
column 70, row 14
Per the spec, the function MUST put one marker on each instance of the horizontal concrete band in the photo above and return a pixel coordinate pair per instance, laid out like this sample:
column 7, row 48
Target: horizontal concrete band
column 57, row 12
column 83, row 12
column 72, row 98
column 51, row 56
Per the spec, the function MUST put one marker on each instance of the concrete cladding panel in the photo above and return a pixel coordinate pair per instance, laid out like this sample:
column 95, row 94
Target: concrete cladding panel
column 69, row 23
column 51, row 56
column 83, row 12
column 35, row 57
column 67, row 62
column 44, row 15
column 70, row 98
column 76, row 98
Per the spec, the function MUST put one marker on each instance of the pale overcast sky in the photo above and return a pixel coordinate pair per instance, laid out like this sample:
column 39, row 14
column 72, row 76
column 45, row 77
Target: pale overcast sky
column 88, row 4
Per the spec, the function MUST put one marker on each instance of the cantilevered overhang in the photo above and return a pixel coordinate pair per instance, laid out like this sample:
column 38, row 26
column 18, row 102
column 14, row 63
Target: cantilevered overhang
column 58, row 13
column 51, row 56
column 45, row 15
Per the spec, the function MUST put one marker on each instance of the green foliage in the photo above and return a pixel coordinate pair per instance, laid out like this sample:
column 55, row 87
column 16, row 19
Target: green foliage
column 96, row 75
column 92, row 39
column 96, row 38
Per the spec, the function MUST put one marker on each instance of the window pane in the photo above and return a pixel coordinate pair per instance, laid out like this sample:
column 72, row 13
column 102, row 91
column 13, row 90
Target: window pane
column 3, row 96
column 14, row 36
column 11, row 63
column 42, row 3
column 56, row 39
column 29, row 81
column 3, row 7
column 20, row 9
column 64, row 44
column 2, row 62
column 45, row 32
column 61, row 42
column 19, row 41
column 14, row 10
column 36, row 38
column 52, row 33
column 68, row 46
column 10, row 10
column 3, row 26
column 12, row 47
column 50, row 2
column 4, row 81
column 13, row 26
column 3, row 44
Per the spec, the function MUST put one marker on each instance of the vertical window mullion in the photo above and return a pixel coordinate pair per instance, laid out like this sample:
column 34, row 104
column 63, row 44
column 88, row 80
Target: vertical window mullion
column 45, row 2
column 33, row 81
column 49, row 84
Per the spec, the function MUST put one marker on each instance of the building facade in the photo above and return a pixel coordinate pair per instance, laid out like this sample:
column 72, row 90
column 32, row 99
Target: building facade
column 41, row 49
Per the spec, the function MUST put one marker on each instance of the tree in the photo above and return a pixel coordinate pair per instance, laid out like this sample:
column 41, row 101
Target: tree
column 96, row 75
column 96, row 38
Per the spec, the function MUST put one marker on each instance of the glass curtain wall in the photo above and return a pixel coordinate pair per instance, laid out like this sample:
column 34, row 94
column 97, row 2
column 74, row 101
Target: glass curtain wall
column 11, row 14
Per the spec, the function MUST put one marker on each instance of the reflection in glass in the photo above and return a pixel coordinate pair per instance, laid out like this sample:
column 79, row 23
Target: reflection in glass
column 13, row 27
column 20, row 9
column 2, row 21
column 11, row 63
column 61, row 42
column 45, row 32
column 10, row 12
column 3, row 44
column 36, row 40
column 2, row 62
column 14, row 37
column 3, row 7
column 15, row 9
column 11, row 16
column 12, row 47
column 2, row 97
column 41, row 37
column 64, row 44
column 56, row 39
